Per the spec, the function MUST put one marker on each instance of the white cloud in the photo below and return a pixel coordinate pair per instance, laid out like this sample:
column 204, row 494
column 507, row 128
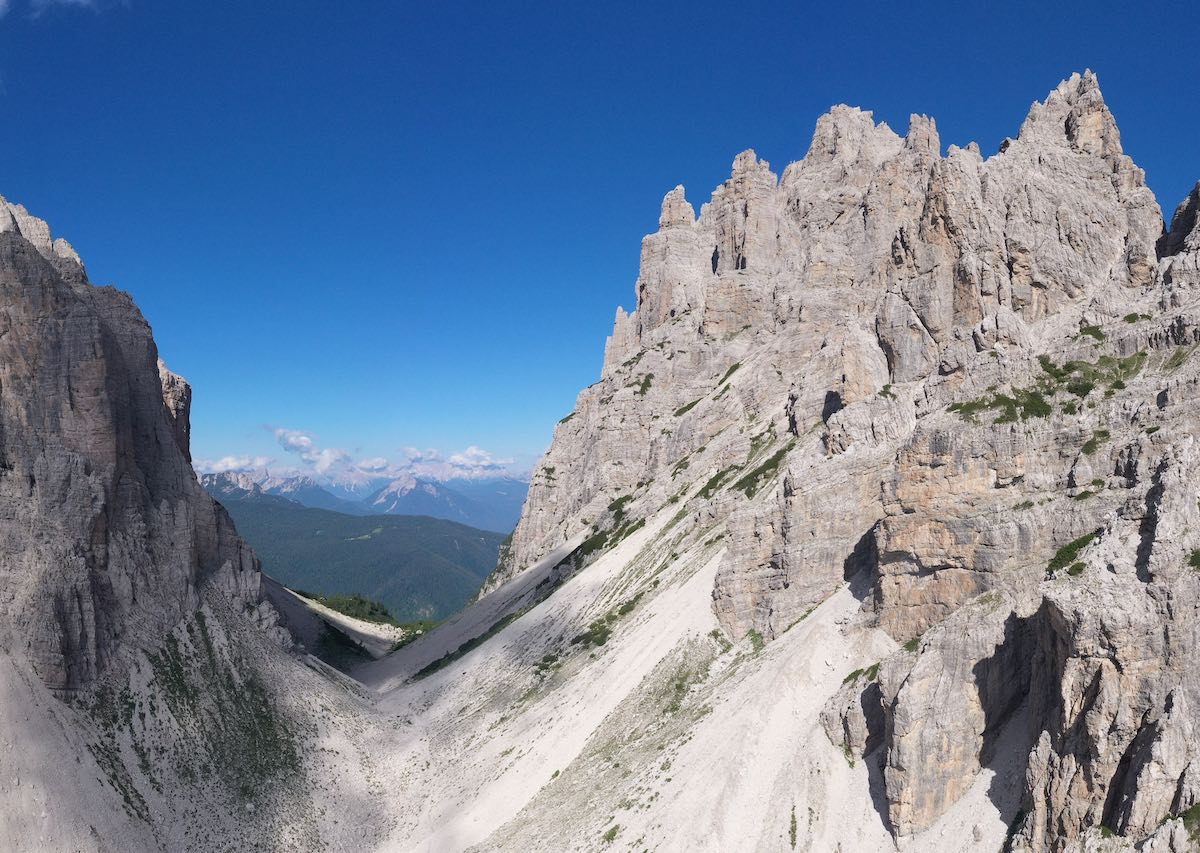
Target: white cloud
column 335, row 465
column 412, row 454
column 375, row 463
column 233, row 464
column 322, row 460
column 476, row 459
column 294, row 440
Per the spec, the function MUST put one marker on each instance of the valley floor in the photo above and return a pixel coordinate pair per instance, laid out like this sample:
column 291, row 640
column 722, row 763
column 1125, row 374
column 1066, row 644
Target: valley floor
column 665, row 737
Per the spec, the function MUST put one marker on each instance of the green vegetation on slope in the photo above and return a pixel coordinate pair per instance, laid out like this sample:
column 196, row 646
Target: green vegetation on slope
column 206, row 716
column 473, row 643
column 1065, row 556
column 355, row 606
column 752, row 482
column 1078, row 378
column 413, row 566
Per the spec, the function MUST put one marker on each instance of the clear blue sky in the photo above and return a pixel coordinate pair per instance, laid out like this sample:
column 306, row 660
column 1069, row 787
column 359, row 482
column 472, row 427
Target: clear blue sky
column 397, row 224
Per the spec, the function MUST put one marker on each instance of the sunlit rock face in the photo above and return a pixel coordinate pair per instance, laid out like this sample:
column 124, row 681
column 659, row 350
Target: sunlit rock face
column 105, row 530
column 966, row 383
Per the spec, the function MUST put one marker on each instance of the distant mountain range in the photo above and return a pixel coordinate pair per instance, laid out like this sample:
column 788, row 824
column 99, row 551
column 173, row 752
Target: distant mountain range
column 492, row 503
column 419, row 567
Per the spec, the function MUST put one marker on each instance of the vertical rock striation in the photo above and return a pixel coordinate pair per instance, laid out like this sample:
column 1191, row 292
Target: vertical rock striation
column 106, row 532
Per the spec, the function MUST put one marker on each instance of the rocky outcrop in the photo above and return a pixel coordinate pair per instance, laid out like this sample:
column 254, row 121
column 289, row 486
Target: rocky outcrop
column 135, row 639
column 108, row 534
column 963, row 385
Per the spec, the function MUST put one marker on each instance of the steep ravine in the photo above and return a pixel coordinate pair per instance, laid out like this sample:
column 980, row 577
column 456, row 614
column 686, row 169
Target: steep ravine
column 880, row 529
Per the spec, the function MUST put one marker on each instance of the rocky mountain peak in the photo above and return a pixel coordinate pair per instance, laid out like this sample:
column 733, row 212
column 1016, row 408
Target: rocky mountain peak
column 676, row 210
column 14, row 217
column 1075, row 114
column 931, row 377
column 849, row 135
column 923, row 136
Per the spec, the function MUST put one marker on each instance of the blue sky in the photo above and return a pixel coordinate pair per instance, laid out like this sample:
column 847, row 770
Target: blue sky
column 380, row 225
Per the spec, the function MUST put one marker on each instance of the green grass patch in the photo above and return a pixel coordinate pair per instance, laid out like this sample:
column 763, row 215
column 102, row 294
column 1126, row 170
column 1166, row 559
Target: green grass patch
column 599, row 630
column 414, row 631
column 471, row 644
column 869, row 673
column 1067, row 554
column 714, row 482
column 757, row 443
column 683, row 410
column 1094, row 332
column 1191, row 819
column 617, row 508
column 849, row 755
column 732, row 370
column 1098, row 438
column 1177, row 359
column 1023, row 404
column 1080, row 378
column 645, row 385
column 720, row 639
column 231, row 727
column 757, row 643
column 886, row 393
column 355, row 606
column 591, row 545
column 750, row 484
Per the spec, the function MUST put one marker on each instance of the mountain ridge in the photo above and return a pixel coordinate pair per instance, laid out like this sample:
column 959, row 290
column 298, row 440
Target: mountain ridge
column 491, row 503
column 879, row 531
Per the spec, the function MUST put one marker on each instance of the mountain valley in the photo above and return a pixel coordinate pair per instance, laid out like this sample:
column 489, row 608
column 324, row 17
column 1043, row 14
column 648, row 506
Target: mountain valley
column 490, row 503
column 420, row 568
column 880, row 530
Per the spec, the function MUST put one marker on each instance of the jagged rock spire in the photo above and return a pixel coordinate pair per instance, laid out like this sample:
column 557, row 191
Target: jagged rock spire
column 847, row 134
column 1184, row 233
column 922, row 135
column 676, row 210
column 1075, row 114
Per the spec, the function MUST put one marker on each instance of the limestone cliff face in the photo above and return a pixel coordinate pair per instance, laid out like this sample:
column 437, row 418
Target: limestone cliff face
column 963, row 383
column 106, row 533
column 134, row 643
